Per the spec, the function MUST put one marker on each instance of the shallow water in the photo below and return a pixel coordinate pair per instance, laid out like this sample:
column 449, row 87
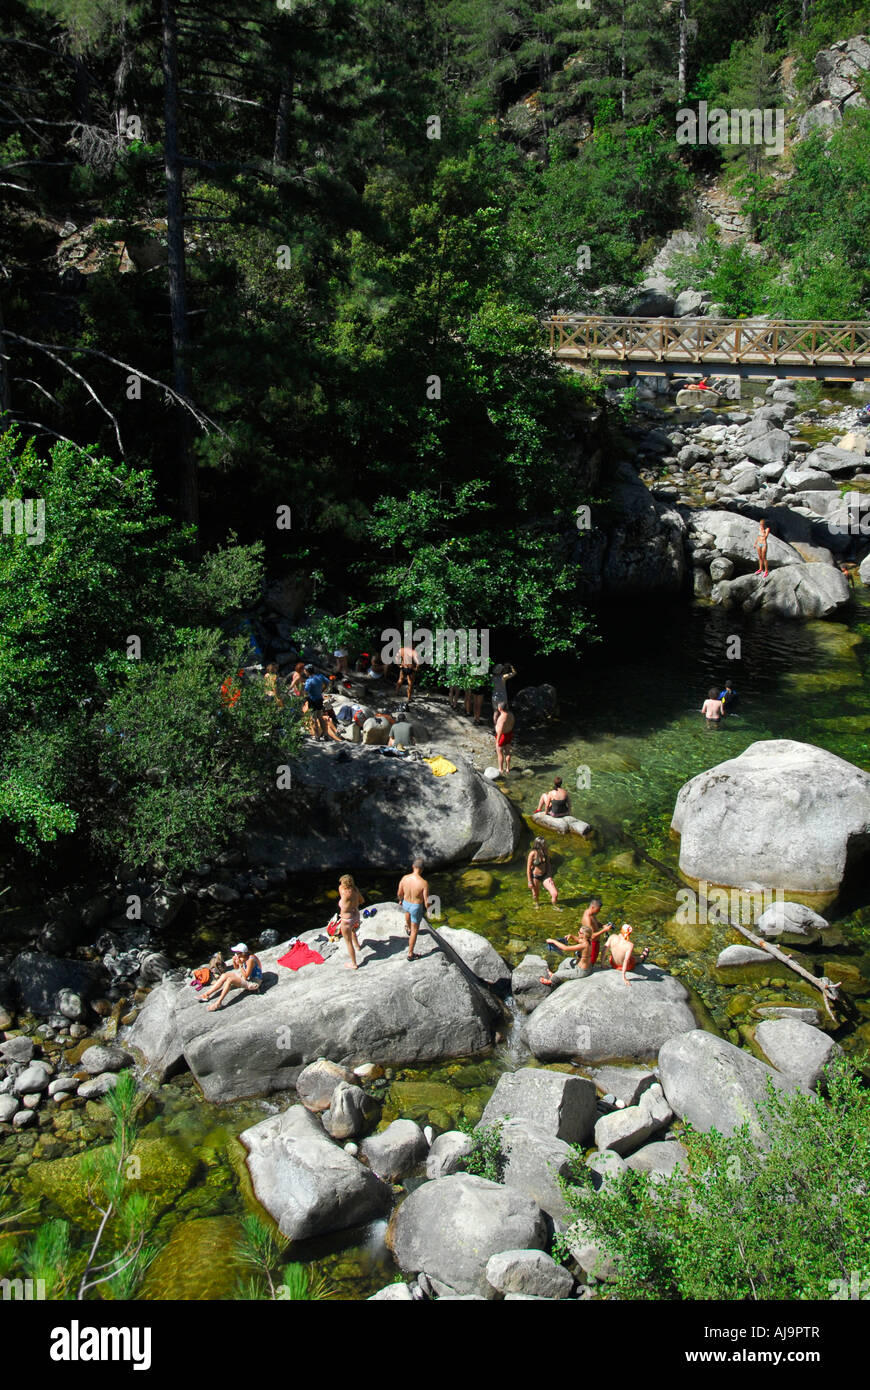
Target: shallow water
column 630, row 722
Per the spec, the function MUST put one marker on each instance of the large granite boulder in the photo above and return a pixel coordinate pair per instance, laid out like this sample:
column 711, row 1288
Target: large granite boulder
column 306, row 1183
column 390, row 1011
column 782, row 815
column 449, row 1228
column 797, row 591
column 601, row 1020
column 530, row 1272
column 735, row 536
column 353, row 808
column 482, row 959
column 625, row 1130
column 715, row 1085
column 762, row 444
column 396, row 1150
column 797, row 1049
column 829, row 459
column 562, row 1105
column 534, row 1161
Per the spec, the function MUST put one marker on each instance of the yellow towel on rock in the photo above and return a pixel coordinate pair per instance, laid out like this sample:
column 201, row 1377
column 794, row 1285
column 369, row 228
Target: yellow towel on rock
column 440, row 766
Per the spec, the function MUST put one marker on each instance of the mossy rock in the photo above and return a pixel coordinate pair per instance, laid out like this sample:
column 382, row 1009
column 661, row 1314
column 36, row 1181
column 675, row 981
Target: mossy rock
column 165, row 1172
column 477, row 883
column 420, row 1100
column 690, row 936
column 200, row 1262
column 848, row 975
column 738, row 1004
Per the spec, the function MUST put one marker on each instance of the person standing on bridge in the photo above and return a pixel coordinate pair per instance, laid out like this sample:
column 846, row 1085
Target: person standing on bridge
column 761, row 547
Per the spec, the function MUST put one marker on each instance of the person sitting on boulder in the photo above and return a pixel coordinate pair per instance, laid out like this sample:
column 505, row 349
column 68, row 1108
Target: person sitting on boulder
column 555, row 803
column 701, row 385
column 246, row 973
column 621, row 951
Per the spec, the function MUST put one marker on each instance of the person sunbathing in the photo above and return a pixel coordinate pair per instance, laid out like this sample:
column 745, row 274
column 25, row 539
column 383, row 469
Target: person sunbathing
column 621, row 951
column 246, row 973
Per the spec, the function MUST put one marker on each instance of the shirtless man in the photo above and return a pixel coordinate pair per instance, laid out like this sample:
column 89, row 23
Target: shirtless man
column 413, row 898
column 761, row 547
column 621, row 951
column 504, row 737
column 409, row 664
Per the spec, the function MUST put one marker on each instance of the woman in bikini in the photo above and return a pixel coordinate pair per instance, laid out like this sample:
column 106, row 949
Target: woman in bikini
column 761, row 547
column 583, row 947
column 247, row 972
column 350, row 900
column 539, row 871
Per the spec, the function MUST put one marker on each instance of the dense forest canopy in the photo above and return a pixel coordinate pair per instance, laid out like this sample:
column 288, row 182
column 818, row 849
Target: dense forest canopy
column 291, row 259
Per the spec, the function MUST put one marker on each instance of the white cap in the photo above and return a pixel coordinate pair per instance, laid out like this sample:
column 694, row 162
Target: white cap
column 241, row 947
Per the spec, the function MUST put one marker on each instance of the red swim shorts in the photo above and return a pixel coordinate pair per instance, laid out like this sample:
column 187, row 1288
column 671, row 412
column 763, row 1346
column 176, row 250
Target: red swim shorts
column 619, row 967
column 504, row 740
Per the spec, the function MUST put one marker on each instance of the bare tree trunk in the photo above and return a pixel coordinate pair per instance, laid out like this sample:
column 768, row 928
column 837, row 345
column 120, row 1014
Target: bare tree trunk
column 5, row 396
column 622, row 64
column 682, row 60
column 189, row 494
column 284, row 117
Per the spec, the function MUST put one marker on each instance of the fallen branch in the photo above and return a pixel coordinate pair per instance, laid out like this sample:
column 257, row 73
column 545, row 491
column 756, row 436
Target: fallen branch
column 829, row 989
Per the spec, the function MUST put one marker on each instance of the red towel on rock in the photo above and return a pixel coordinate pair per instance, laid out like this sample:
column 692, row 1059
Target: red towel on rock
column 300, row 955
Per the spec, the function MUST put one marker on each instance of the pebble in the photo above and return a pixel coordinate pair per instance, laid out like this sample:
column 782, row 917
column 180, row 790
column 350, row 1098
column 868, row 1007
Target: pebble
column 24, row 1118
column 31, row 1101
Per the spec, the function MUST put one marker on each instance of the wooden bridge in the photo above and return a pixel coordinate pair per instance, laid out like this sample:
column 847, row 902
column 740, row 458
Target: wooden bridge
column 829, row 350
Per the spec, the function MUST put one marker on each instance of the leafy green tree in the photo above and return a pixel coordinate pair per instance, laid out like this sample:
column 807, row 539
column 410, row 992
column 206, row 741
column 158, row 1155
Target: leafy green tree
column 785, row 1218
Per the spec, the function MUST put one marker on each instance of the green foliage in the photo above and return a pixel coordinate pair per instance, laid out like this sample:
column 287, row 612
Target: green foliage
column 784, row 1219
column 486, row 1160
column 261, row 1248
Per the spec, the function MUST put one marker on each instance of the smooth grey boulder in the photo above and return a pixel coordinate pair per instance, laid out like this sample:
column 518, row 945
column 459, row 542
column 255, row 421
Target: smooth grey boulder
column 98, row 1086
column 482, row 959
column 534, row 1161
column 661, row 1157
column 449, row 1228
column 604, row 1166
column 625, row 1130
column 813, row 1016
column 8, row 1107
column 801, row 479
column 791, row 920
column 782, row 815
column 766, row 446
column 396, row 1151
column 714, row 1084
column 100, row 1058
column 447, row 1153
column 350, row 1110
column 624, row 1083
column 526, row 986
column 393, row 1293
column 564, row 1106
column 342, row 815
column 33, row 1080
column 823, row 116
column 735, row 536
column 654, row 301
column 829, row 459
column 745, row 478
column 733, row 956
column 797, row 1049
column 864, row 570
column 316, row 1083
column 602, row 1020
column 305, row 1182
column 797, row 591
column 530, row 1272
column 18, row 1049
column 689, row 304
column 389, row 1011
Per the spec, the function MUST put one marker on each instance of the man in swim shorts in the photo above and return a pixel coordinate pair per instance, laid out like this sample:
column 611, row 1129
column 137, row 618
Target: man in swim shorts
column 504, row 737
column 621, row 951
column 413, row 897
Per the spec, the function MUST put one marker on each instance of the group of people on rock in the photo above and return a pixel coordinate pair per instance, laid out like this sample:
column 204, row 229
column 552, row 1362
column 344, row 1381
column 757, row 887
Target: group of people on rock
column 582, row 947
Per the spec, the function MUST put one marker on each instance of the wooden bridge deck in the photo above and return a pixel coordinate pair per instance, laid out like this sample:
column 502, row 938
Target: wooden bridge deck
column 738, row 347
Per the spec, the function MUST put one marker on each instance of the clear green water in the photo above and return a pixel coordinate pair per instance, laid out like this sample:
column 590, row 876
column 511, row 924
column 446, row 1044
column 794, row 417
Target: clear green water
column 629, row 714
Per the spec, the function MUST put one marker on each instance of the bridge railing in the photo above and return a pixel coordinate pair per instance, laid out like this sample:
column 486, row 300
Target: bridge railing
column 784, row 342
